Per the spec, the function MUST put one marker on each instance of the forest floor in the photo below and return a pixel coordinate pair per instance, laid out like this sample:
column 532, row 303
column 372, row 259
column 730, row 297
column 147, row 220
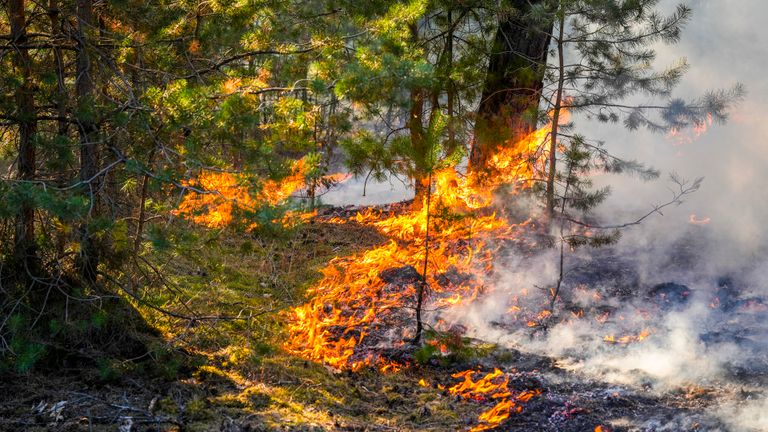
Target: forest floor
column 233, row 374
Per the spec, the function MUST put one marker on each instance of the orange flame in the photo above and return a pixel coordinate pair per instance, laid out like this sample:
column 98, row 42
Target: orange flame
column 492, row 386
column 693, row 220
column 627, row 339
column 351, row 300
column 681, row 138
column 214, row 197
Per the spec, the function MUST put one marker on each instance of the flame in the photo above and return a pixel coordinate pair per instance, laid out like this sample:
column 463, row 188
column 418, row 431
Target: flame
column 351, row 302
column 492, row 386
column 390, row 367
column 692, row 219
column 276, row 191
column 627, row 339
column 352, row 311
column 681, row 138
column 214, row 197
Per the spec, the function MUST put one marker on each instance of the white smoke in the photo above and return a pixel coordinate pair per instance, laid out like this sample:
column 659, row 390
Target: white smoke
column 724, row 43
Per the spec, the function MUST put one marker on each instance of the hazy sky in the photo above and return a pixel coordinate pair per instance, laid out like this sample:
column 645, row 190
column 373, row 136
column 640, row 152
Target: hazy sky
column 724, row 43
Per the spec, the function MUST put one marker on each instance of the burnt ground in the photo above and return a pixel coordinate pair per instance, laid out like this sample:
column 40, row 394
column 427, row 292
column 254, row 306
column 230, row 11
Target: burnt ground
column 569, row 402
column 245, row 382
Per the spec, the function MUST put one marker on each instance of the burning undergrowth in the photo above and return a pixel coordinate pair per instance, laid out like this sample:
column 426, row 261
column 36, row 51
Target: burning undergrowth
column 487, row 277
column 622, row 322
column 688, row 344
column 364, row 304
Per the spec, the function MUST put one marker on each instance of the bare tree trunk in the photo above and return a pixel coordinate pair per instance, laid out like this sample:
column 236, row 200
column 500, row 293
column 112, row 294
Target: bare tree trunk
column 450, row 88
column 422, row 289
column 62, row 129
column 418, row 136
column 89, row 154
column 25, row 249
column 509, row 105
column 61, row 97
column 551, row 174
column 143, row 205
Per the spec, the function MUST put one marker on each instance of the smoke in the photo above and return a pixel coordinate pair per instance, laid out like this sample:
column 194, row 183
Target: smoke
column 751, row 415
column 716, row 336
column 723, row 45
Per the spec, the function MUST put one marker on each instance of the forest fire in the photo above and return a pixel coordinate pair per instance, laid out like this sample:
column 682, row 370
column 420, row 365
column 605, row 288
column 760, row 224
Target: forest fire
column 181, row 249
column 492, row 386
column 627, row 339
column 215, row 197
column 362, row 302
column 356, row 297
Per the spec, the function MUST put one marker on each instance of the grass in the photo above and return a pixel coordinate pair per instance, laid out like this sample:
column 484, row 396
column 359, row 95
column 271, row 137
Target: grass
column 242, row 372
column 211, row 374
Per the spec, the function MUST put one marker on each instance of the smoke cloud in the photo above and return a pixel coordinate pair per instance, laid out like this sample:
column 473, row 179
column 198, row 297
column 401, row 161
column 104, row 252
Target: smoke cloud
column 713, row 244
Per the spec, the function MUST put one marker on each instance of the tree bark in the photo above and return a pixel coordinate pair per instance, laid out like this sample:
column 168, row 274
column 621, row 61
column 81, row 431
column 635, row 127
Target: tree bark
column 509, row 105
column 556, row 109
column 88, row 130
column 418, row 135
column 54, row 14
column 25, row 248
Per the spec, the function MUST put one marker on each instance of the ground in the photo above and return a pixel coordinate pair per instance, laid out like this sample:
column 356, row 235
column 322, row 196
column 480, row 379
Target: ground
column 234, row 375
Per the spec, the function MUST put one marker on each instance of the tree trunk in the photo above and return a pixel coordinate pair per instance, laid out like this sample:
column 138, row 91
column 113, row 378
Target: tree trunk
column 509, row 105
column 25, row 249
column 89, row 154
column 54, row 14
column 450, row 88
column 418, row 137
column 556, row 109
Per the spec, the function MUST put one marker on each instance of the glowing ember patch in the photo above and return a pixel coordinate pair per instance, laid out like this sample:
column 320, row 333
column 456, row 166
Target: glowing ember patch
column 423, row 383
column 693, row 220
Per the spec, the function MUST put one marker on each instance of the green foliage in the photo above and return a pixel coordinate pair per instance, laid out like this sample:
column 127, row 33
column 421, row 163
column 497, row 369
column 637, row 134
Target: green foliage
column 446, row 348
column 27, row 354
column 109, row 370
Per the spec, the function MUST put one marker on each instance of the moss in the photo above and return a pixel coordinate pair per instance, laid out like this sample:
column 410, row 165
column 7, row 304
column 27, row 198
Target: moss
column 198, row 409
column 168, row 406
column 256, row 399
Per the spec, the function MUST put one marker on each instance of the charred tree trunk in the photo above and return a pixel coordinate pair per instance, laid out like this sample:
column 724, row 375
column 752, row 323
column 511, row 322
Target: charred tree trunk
column 509, row 105
column 88, row 130
column 25, row 249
